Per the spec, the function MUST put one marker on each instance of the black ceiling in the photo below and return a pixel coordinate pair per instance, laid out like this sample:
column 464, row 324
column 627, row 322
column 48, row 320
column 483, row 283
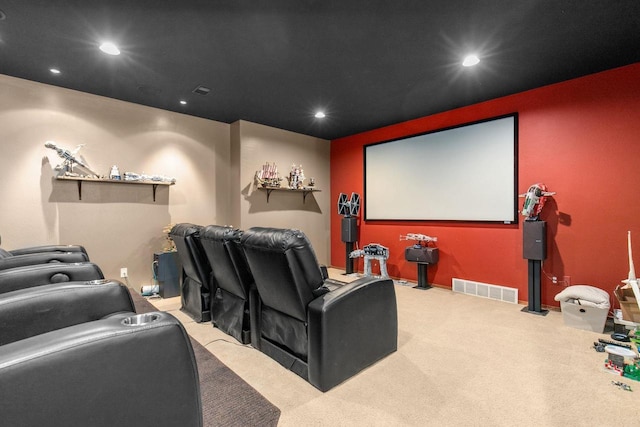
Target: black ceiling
column 366, row 63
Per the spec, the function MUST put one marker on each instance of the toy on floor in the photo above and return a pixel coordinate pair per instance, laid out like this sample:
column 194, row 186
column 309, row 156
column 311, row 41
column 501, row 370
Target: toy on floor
column 621, row 385
column 373, row 251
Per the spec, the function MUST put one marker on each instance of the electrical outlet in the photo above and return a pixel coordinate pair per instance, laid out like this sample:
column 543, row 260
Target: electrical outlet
column 123, row 272
column 567, row 280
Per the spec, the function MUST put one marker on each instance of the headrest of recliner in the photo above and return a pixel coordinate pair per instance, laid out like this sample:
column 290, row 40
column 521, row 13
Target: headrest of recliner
column 220, row 233
column 276, row 239
column 184, row 229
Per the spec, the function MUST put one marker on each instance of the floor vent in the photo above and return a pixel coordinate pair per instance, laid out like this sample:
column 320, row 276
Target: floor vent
column 485, row 290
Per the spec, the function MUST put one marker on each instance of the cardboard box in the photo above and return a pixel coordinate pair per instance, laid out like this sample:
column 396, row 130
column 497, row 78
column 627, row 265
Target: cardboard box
column 584, row 317
column 628, row 303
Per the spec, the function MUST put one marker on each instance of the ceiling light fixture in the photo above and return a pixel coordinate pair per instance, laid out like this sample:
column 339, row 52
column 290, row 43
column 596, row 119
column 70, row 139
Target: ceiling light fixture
column 110, row 48
column 470, row 61
column 183, row 102
column 320, row 115
column 54, row 71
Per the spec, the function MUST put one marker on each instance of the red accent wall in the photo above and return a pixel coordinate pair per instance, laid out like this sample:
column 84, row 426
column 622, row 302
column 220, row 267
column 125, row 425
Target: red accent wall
column 581, row 138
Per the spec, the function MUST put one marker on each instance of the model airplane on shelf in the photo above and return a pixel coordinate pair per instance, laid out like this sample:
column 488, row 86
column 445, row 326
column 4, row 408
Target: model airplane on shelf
column 69, row 157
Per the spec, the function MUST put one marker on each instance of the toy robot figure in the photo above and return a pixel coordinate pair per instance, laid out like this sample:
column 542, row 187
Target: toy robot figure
column 534, row 201
column 373, row 251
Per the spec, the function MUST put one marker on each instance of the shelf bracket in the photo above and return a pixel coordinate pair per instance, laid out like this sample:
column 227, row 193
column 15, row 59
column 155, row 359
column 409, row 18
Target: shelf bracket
column 304, row 196
column 268, row 194
column 79, row 182
column 305, row 192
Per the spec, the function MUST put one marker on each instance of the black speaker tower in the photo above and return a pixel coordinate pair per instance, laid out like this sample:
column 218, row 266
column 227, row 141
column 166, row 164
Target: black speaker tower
column 349, row 226
column 349, row 237
column 534, row 249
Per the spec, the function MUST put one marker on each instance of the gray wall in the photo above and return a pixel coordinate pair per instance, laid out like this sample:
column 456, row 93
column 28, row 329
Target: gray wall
column 120, row 224
column 258, row 144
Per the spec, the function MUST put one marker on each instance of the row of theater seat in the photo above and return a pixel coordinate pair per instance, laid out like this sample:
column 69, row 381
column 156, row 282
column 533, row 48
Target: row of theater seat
column 264, row 286
column 73, row 351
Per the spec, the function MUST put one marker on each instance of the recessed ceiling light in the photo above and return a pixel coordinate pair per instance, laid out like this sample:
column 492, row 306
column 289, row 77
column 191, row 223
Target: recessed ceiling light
column 183, row 102
column 320, row 115
column 470, row 61
column 110, row 48
column 54, row 71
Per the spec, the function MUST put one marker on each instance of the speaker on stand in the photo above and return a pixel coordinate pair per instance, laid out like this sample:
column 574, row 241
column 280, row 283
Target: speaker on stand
column 534, row 243
column 349, row 208
column 534, row 249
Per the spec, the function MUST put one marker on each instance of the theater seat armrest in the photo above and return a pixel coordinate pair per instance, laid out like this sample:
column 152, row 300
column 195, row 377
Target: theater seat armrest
column 44, row 274
column 349, row 329
column 42, row 258
column 32, row 311
column 48, row 248
column 324, row 272
column 96, row 374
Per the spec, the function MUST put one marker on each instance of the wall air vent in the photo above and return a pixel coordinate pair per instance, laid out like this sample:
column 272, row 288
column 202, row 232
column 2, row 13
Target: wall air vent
column 485, row 290
column 201, row 90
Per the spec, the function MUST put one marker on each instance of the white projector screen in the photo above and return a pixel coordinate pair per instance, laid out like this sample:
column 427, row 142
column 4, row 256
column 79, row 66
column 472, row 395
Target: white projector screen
column 465, row 173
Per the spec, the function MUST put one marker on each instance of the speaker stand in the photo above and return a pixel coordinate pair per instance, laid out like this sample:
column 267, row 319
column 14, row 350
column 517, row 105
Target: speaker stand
column 423, row 282
column 535, row 289
column 349, row 260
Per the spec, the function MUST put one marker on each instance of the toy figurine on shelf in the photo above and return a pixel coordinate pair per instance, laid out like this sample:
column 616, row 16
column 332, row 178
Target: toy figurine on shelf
column 133, row 176
column 296, row 177
column 268, row 176
column 534, row 200
column 70, row 159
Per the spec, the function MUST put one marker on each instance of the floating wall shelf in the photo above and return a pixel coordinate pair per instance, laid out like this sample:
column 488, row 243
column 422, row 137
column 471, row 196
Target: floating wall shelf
column 80, row 180
column 304, row 191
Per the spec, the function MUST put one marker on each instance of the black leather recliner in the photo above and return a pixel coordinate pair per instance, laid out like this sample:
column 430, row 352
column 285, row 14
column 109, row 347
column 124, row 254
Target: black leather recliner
column 230, row 302
column 195, row 284
column 125, row 370
column 49, row 248
column 45, row 274
column 28, row 312
column 325, row 336
column 9, row 260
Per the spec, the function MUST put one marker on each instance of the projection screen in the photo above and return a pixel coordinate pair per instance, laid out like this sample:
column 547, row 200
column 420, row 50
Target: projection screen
column 464, row 173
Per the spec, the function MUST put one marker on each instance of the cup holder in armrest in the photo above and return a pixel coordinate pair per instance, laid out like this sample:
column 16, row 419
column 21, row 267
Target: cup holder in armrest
column 140, row 319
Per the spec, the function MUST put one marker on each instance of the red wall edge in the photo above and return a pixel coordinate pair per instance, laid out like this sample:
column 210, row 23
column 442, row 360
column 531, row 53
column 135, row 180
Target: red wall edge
column 580, row 137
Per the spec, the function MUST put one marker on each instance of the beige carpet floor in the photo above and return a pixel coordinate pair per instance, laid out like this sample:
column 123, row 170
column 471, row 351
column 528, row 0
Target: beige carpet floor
column 461, row 360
